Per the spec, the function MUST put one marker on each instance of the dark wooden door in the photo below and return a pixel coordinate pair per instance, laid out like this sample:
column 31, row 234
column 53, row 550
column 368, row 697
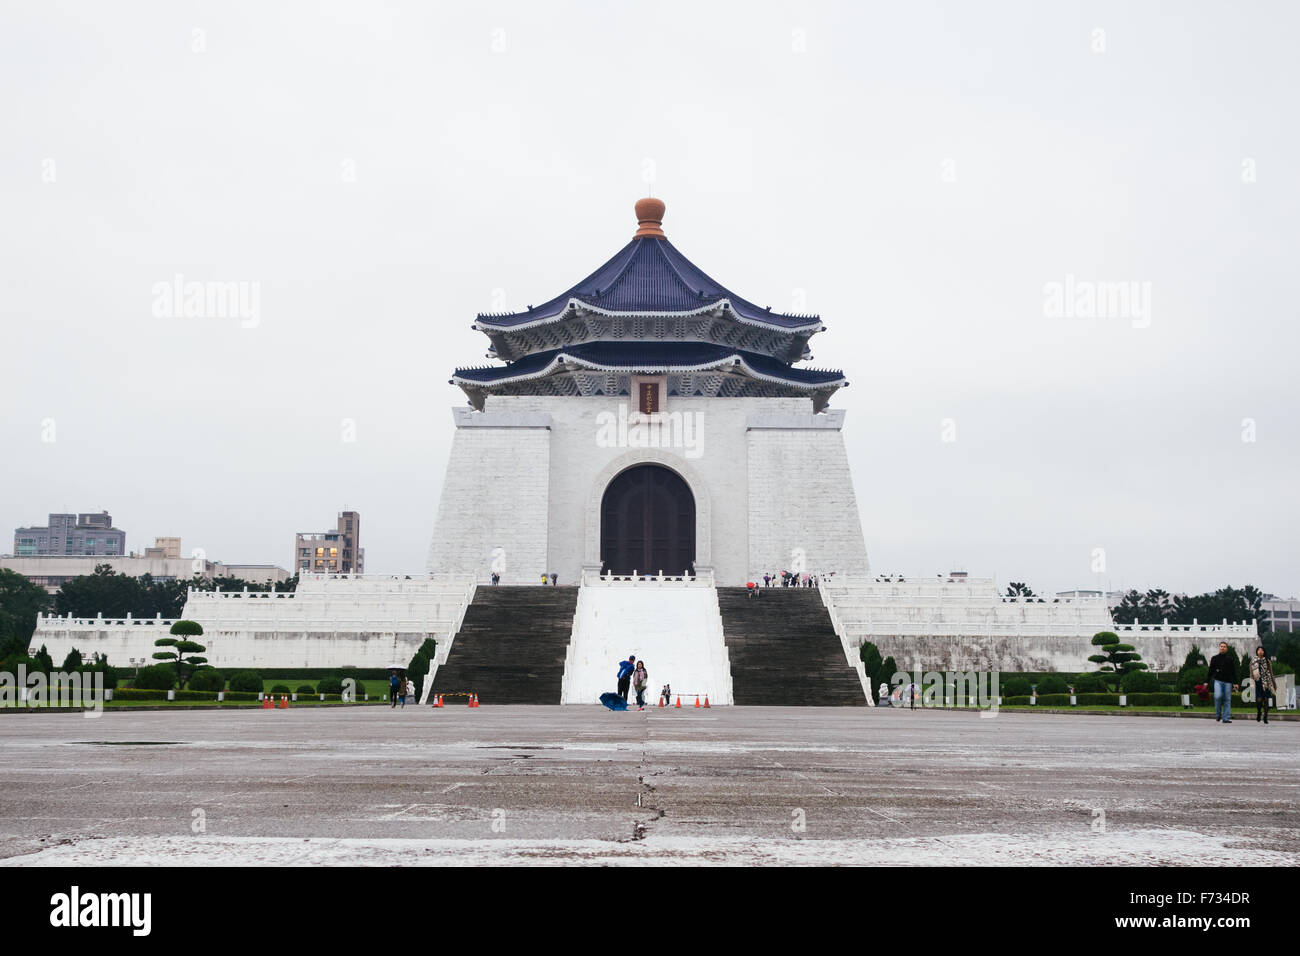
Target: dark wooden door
column 647, row 523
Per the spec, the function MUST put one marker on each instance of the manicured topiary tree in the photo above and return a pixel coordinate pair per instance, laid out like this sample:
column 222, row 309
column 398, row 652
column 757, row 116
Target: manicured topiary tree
column 1052, row 684
column 1089, row 683
column 869, row 654
column 247, row 682
column 180, row 646
column 1116, row 658
column 1140, row 682
column 207, row 678
column 418, row 669
column 1016, row 686
column 155, row 677
column 305, row 689
column 887, row 670
column 329, row 685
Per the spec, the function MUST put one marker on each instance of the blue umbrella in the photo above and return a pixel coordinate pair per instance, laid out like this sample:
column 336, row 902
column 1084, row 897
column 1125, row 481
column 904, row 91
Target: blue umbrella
column 613, row 701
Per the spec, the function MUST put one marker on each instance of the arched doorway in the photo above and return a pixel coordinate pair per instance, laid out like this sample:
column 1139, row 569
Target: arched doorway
column 647, row 522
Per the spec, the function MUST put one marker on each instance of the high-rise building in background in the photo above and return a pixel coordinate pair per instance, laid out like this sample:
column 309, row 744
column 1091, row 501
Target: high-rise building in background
column 337, row 552
column 1283, row 613
column 76, row 534
column 169, row 547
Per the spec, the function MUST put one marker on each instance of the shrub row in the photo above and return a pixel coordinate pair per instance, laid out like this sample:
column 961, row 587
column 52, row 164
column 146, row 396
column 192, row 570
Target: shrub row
column 137, row 693
column 1110, row 700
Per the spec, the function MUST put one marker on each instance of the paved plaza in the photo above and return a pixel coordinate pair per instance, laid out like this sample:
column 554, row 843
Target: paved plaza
column 555, row 785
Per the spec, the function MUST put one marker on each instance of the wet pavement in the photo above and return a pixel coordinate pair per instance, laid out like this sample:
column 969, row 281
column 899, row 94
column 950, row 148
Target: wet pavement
column 528, row 785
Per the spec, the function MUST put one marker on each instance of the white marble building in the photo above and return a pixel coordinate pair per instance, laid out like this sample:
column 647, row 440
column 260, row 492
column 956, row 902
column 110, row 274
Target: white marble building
column 770, row 481
column 647, row 420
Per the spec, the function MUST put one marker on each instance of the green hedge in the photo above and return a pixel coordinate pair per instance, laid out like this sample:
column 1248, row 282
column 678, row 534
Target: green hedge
column 134, row 693
column 240, row 695
column 196, row 695
column 1112, row 700
column 315, row 673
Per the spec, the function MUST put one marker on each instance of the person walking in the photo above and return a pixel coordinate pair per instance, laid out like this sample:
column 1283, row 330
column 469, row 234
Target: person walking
column 1223, row 677
column 1261, row 673
column 392, row 688
column 625, row 669
column 401, row 692
column 640, row 680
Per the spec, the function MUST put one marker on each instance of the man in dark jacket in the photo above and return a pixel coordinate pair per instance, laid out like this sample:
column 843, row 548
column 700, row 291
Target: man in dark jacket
column 625, row 669
column 1223, row 678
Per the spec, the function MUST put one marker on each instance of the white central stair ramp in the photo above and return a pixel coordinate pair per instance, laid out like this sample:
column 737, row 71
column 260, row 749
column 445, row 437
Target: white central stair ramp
column 672, row 623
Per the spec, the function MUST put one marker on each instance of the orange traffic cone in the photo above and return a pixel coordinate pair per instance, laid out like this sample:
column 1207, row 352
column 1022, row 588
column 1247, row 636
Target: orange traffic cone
column 438, row 702
column 679, row 701
column 706, row 701
column 661, row 700
column 266, row 702
column 697, row 700
column 284, row 702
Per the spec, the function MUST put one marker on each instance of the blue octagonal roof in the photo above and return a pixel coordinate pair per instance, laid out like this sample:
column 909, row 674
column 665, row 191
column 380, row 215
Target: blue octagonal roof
column 649, row 275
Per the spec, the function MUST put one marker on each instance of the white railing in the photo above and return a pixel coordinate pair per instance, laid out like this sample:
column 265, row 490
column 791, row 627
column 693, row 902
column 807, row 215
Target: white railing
column 1236, row 628
column 861, row 629
column 325, row 623
column 219, row 595
column 412, row 576
column 855, row 661
column 852, row 598
column 591, row 578
column 443, row 647
column 96, row 623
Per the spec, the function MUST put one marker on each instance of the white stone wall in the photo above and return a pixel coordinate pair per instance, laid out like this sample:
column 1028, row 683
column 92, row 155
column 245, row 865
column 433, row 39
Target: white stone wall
column 493, row 509
column 499, row 476
column 369, row 621
column 942, row 625
column 803, row 513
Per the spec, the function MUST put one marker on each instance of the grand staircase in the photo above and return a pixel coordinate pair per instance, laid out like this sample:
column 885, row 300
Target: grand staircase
column 510, row 647
column 784, row 650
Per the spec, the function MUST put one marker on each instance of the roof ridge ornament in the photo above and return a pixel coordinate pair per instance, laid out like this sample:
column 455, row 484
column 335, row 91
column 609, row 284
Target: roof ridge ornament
column 650, row 218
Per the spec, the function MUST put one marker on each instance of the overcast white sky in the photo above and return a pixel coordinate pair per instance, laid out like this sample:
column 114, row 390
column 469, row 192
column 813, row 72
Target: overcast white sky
column 915, row 173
